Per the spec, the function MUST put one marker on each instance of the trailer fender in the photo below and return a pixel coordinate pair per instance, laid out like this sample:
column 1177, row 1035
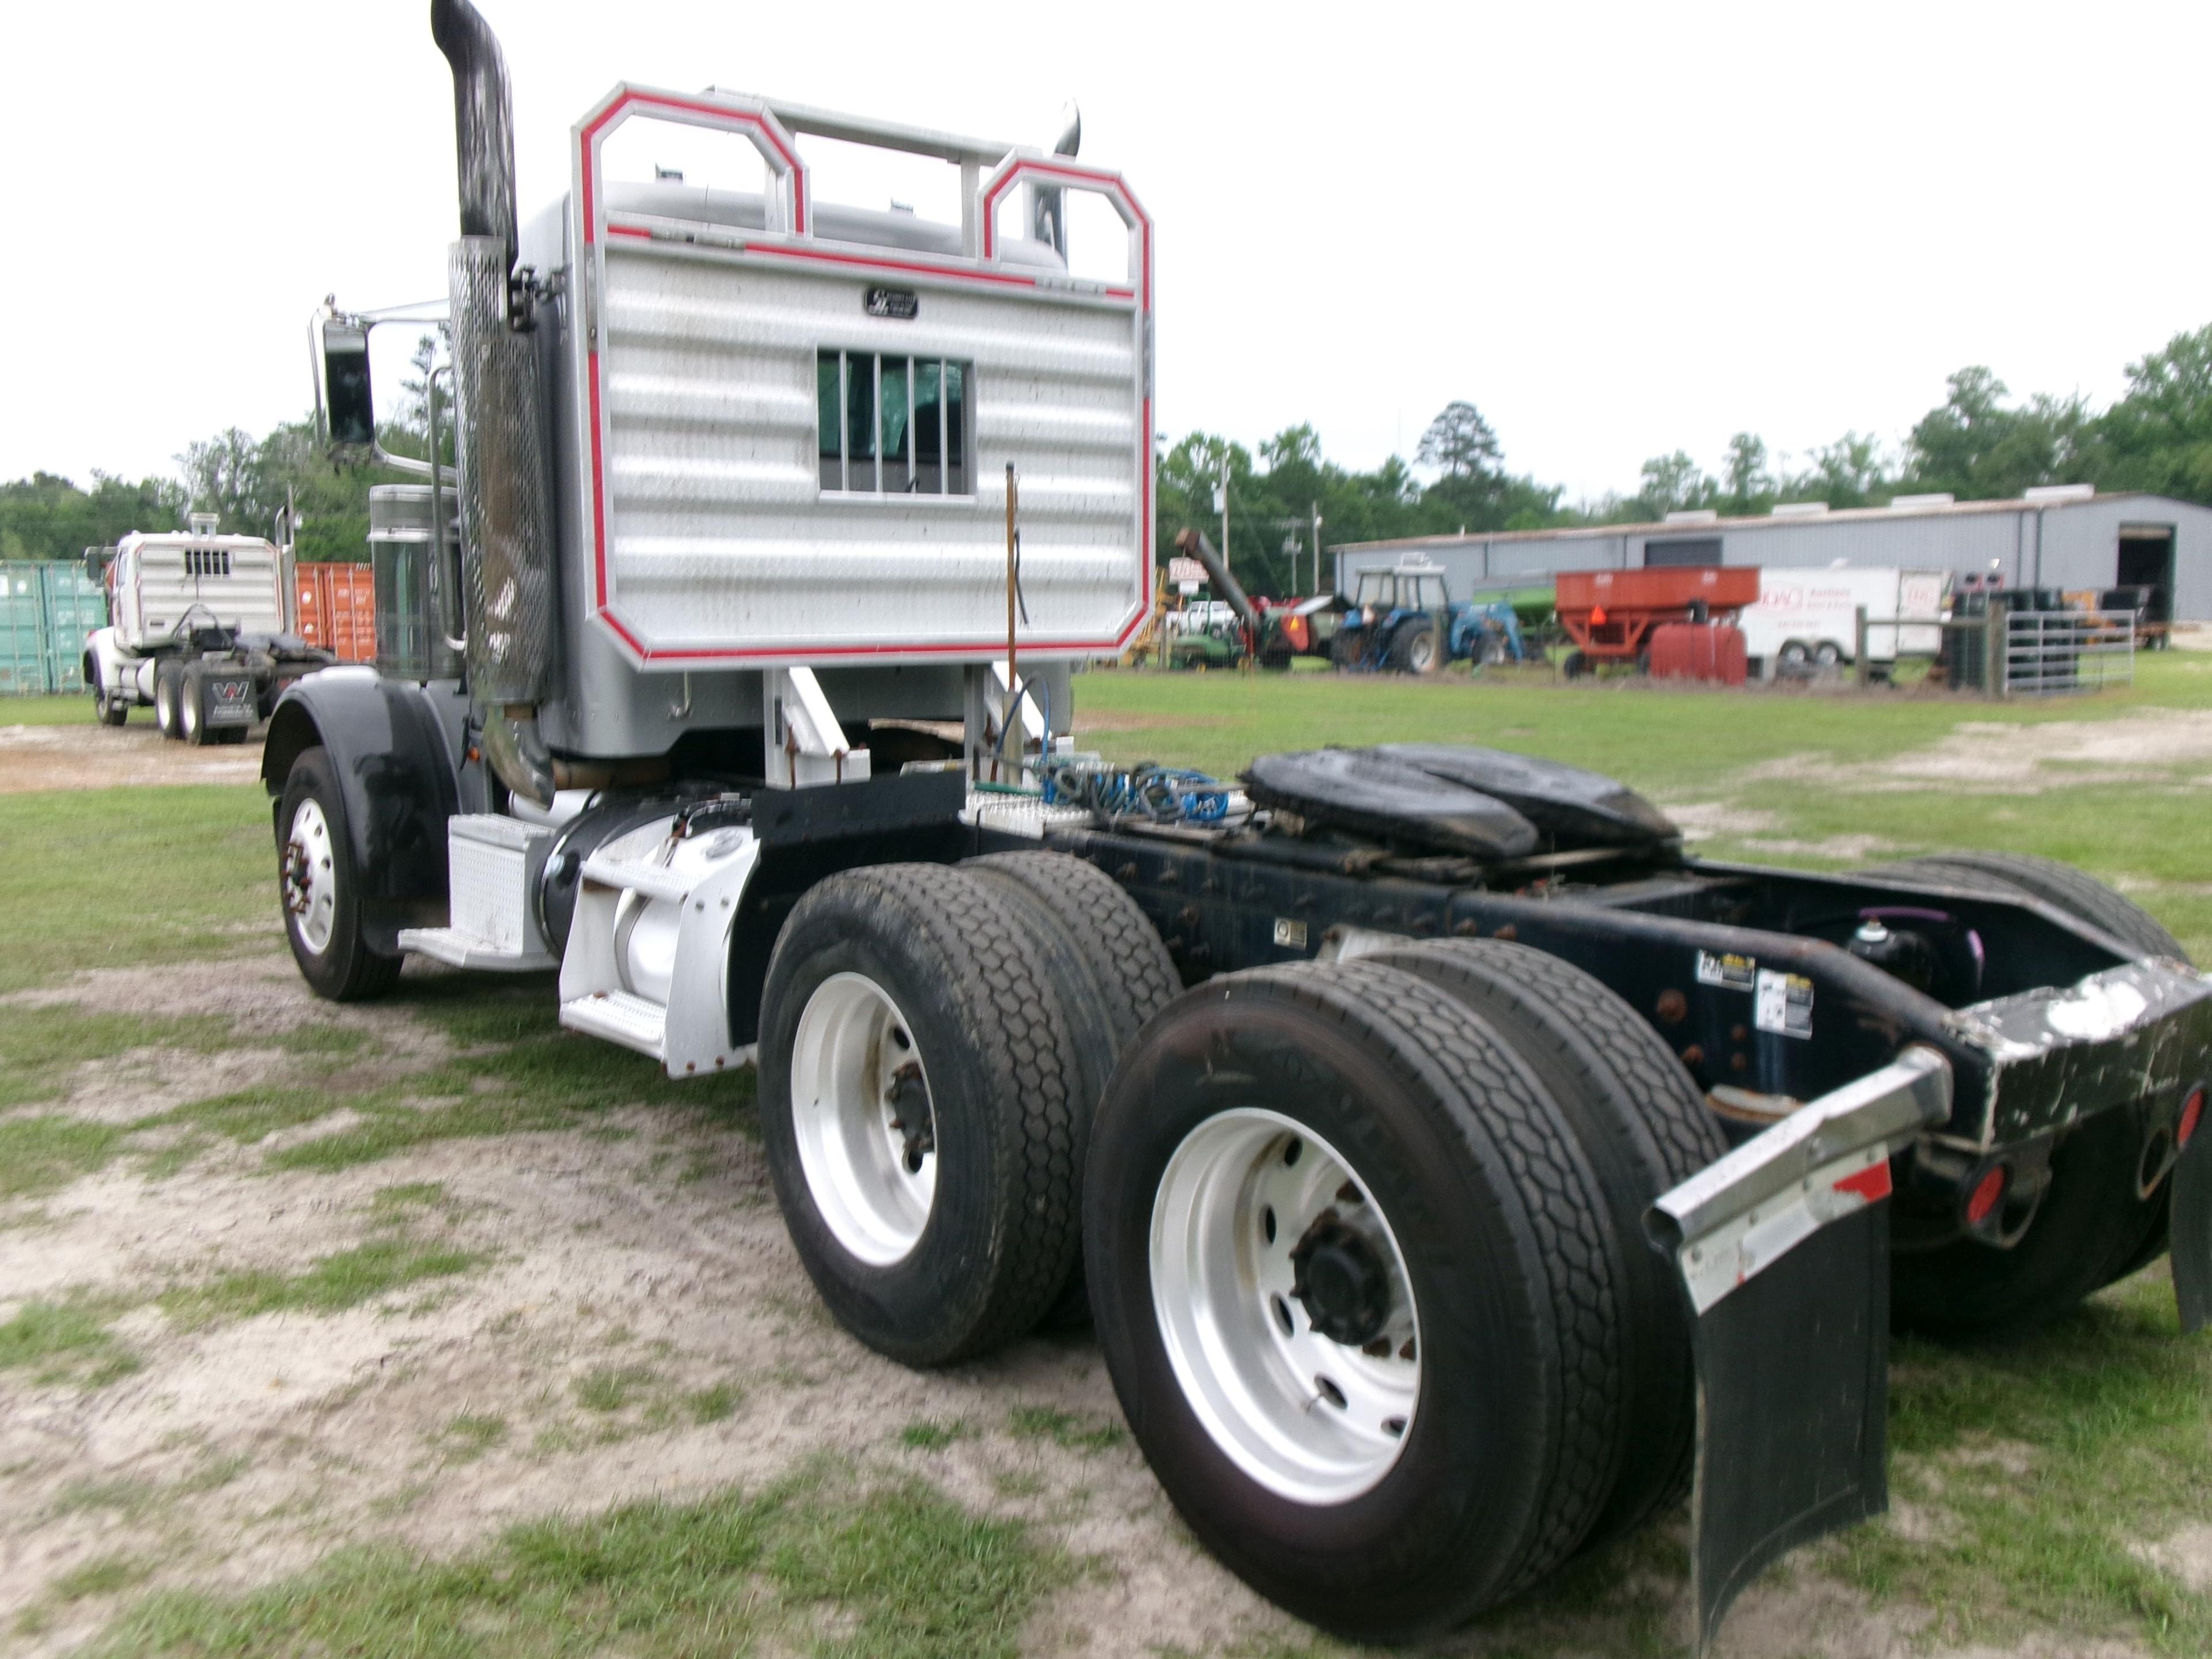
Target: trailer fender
column 388, row 746
column 1783, row 1250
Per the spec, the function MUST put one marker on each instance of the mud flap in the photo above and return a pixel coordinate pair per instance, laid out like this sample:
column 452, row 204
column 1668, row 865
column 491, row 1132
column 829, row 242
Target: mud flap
column 2191, row 1228
column 1782, row 1249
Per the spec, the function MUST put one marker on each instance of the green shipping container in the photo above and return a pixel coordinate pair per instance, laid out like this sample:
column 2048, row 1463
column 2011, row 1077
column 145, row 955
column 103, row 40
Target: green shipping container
column 46, row 611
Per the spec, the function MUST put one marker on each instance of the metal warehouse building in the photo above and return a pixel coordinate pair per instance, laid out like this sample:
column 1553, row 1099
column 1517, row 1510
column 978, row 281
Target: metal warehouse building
column 2065, row 537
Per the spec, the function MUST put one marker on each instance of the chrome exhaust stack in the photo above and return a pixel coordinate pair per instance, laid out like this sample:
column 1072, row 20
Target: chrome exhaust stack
column 507, row 518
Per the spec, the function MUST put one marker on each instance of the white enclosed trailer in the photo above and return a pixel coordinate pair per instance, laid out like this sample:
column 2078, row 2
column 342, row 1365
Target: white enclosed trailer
column 743, row 701
column 1808, row 619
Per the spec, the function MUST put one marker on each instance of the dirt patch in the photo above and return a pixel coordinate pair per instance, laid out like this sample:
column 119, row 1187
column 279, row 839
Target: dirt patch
column 1985, row 757
column 2187, row 1555
column 1094, row 724
column 89, row 756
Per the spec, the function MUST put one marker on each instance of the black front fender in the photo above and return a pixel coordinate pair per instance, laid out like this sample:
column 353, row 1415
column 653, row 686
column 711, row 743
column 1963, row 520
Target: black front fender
column 392, row 745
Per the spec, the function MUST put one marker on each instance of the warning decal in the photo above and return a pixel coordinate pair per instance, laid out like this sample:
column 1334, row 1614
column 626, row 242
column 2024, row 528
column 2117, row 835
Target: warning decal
column 1727, row 969
column 1784, row 1003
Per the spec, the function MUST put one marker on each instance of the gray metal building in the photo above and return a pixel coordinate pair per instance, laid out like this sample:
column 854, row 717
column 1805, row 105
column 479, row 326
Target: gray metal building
column 2064, row 537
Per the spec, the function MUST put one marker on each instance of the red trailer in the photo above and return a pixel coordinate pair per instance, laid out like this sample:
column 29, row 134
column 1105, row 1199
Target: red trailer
column 1610, row 614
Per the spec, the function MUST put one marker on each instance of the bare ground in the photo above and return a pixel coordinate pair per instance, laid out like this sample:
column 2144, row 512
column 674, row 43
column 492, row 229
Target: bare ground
column 91, row 757
column 1990, row 757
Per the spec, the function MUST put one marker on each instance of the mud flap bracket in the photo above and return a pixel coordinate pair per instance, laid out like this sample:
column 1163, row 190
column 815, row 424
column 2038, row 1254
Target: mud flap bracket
column 2190, row 1226
column 1783, row 1250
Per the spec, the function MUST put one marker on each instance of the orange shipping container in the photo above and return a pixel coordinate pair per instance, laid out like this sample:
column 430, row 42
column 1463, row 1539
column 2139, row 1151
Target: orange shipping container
column 338, row 608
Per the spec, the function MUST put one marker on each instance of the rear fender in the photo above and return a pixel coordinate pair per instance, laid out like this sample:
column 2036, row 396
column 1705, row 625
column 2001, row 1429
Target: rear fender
column 392, row 745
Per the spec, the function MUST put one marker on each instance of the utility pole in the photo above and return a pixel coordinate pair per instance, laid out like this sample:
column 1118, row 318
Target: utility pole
column 1221, row 502
column 1316, row 533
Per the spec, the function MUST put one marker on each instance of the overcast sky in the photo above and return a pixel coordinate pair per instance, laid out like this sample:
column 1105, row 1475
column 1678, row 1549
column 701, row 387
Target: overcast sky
column 1617, row 230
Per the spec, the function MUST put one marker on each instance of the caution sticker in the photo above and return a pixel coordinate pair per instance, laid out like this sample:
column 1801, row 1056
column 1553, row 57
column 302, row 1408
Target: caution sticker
column 1782, row 1003
column 1727, row 969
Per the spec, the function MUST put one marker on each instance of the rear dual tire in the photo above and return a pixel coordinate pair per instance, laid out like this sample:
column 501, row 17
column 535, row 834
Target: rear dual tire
column 2094, row 1226
column 1489, row 1257
column 1013, row 983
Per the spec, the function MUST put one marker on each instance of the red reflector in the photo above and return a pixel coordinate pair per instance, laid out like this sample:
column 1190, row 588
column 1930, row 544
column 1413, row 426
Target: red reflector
column 1988, row 1192
column 1869, row 1183
column 2193, row 1112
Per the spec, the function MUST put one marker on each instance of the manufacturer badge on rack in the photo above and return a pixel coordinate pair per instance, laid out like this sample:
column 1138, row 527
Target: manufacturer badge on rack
column 900, row 305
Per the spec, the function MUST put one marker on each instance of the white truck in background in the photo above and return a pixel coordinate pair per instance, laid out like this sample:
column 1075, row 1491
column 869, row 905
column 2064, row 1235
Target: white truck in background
column 197, row 632
column 1808, row 620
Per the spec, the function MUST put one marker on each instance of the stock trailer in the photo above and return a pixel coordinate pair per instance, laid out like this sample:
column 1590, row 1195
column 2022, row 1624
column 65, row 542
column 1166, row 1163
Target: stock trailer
column 1455, row 1171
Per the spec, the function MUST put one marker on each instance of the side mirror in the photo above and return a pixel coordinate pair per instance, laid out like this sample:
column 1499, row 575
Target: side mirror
column 345, row 406
column 95, row 564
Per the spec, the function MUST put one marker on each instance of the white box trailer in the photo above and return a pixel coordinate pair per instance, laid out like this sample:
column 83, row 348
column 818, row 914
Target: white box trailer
column 779, row 524
column 1808, row 619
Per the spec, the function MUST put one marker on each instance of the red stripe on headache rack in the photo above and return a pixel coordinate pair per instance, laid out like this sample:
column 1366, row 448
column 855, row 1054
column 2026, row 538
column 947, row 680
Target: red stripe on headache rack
column 1869, row 1183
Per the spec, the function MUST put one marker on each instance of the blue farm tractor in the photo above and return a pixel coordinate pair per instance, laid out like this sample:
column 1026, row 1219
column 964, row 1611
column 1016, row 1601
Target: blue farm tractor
column 1405, row 620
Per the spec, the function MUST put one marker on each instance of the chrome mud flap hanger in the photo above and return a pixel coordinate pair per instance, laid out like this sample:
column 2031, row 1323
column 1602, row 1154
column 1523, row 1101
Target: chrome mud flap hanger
column 1782, row 1249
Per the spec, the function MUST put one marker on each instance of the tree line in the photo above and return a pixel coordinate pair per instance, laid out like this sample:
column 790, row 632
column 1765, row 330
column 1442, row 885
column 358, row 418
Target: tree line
column 1978, row 444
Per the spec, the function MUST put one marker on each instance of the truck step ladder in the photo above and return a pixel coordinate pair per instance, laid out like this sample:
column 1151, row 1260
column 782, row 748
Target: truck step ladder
column 493, row 863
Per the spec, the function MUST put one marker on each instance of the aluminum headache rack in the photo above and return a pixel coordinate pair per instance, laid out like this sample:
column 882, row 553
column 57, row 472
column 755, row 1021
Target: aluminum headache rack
column 2056, row 651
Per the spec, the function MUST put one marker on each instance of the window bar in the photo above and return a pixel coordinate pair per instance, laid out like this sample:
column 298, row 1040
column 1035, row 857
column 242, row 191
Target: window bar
column 944, row 449
column 844, row 420
column 913, row 449
column 876, row 415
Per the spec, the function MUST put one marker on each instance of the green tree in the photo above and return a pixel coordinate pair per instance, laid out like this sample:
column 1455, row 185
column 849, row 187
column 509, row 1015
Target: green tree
column 1979, row 448
column 1852, row 471
column 2159, row 436
column 1673, row 483
column 46, row 516
column 1749, row 488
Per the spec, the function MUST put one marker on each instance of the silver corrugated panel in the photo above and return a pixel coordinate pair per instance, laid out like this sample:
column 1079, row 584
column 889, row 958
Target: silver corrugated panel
column 720, row 536
column 506, row 515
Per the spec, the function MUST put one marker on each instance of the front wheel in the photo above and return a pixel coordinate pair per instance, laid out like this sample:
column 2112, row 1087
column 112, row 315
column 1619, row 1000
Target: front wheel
column 108, row 706
column 320, row 887
column 1574, row 667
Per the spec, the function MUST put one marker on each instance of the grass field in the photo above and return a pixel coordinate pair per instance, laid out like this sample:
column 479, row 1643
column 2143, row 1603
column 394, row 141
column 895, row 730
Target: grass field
column 2052, row 1492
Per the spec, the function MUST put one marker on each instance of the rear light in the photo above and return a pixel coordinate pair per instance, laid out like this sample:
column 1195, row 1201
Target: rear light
column 1987, row 1193
column 2192, row 1113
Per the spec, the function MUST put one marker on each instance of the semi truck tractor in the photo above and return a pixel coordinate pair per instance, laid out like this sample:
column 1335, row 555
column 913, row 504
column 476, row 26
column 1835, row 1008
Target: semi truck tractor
column 1456, row 1171
column 197, row 633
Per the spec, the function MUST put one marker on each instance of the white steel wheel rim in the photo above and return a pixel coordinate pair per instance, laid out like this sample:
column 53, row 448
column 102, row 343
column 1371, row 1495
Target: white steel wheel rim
column 1423, row 653
column 310, row 882
column 872, row 1179
column 164, row 703
column 1313, row 1421
column 188, row 714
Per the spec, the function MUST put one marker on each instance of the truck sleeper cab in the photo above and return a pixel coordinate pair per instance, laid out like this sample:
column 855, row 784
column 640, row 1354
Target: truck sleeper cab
column 760, row 737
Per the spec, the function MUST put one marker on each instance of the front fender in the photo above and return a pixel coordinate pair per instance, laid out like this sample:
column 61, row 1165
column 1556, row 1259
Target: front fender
column 392, row 746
